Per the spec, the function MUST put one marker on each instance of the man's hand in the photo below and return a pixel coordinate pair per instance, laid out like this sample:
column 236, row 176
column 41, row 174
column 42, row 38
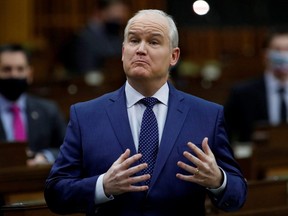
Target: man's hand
column 39, row 159
column 206, row 171
column 120, row 176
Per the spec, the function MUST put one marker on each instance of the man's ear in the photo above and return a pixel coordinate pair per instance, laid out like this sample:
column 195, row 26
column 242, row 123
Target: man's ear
column 175, row 56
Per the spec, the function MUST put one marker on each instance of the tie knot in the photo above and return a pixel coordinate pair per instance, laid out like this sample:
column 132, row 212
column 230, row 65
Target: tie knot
column 14, row 108
column 281, row 90
column 149, row 101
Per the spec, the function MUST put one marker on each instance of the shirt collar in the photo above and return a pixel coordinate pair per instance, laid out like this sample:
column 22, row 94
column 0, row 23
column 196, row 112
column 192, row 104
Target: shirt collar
column 272, row 83
column 133, row 96
column 6, row 104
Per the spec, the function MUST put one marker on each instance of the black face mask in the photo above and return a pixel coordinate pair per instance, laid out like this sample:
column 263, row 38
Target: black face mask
column 12, row 88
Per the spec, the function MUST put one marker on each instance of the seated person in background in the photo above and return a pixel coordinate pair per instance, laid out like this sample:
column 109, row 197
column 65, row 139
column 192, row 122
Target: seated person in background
column 38, row 121
column 261, row 100
column 100, row 39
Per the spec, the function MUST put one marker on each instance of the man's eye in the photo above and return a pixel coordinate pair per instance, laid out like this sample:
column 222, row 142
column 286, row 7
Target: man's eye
column 134, row 41
column 9, row 68
column 6, row 69
column 154, row 42
column 20, row 69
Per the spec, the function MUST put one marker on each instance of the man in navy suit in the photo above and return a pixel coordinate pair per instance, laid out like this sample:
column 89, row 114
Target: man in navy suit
column 256, row 102
column 98, row 170
column 43, row 123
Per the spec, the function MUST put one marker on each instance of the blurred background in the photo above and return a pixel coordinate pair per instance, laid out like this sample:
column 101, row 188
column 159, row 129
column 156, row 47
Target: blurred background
column 218, row 48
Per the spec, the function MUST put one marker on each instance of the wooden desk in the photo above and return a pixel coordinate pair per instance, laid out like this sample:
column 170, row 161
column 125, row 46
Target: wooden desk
column 276, row 211
column 17, row 149
column 22, row 190
column 34, row 208
column 265, row 157
column 22, row 183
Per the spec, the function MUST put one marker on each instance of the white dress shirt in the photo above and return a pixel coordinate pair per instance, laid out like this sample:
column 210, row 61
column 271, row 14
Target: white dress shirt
column 136, row 110
column 273, row 99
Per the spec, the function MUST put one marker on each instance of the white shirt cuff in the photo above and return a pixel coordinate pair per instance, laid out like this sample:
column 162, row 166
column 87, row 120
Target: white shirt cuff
column 218, row 190
column 100, row 196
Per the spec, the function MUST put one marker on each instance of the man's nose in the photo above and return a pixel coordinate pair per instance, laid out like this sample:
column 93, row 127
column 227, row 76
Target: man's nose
column 142, row 48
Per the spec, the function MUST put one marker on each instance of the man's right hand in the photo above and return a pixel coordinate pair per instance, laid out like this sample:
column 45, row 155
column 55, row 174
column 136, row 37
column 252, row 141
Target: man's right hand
column 120, row 177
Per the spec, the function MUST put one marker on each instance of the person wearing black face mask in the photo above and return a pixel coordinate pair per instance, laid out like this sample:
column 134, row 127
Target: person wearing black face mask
column 258, row 101
column 41, row 123
column 100, row 40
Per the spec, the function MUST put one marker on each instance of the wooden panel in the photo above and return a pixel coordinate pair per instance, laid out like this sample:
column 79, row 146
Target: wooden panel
column 15, row 181
column 269, row 154
column 34, row 208
column 260, row 194
column 17, row 149
column 277, row 211
column 15, row 20
column 269, row 162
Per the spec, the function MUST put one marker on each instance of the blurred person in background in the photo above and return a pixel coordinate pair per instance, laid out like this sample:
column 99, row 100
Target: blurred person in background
column 99, row 40
column 42, row 125
column 262, row 100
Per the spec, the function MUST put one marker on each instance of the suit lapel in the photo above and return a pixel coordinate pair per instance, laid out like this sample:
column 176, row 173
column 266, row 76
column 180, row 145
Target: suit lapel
column 175, row 118
column 117, row 113
column 2, row 132
column 263, row 99
column 33, row 119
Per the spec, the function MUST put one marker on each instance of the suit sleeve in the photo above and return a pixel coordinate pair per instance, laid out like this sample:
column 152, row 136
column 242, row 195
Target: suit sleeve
column 66, row 190
column 234, row 194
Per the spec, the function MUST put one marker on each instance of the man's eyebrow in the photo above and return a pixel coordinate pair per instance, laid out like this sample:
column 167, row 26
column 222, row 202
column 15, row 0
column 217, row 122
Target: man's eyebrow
column 154, row 34
column 131, row 33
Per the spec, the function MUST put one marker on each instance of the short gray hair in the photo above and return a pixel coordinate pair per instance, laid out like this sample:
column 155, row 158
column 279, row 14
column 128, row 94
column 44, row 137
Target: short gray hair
column 173, row 32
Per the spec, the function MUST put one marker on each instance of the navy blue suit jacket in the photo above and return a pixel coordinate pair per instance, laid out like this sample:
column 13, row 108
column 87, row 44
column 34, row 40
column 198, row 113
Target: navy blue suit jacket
column 99, row 131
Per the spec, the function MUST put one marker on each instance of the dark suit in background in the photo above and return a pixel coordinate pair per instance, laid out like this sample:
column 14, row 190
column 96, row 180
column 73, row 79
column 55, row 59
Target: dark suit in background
column 46, row 125
column 245, row 108
column 43, row 123
column 258, row 101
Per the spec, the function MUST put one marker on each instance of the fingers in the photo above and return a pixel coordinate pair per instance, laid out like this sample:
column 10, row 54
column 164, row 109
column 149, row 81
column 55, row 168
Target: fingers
column 120, row 177
column 206, row 147
column 190, row 169
column 198, row 160
column 123, row 156
column 201, row 154
column 203, row 168
column 125, row 160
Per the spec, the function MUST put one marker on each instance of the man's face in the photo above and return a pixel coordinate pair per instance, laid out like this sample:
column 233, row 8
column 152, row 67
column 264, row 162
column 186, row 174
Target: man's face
column 277, row 56
column 14, row 65
column 147, row 53
column 117, row 12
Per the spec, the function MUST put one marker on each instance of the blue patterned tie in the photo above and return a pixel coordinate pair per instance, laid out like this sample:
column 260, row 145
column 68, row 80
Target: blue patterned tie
column 149, row 136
